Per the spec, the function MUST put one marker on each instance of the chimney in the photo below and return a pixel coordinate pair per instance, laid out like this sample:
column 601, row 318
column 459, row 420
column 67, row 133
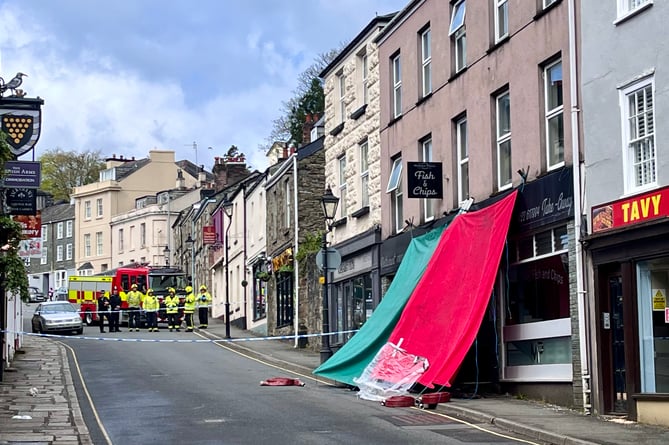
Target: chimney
column 309, row 122
column 229, row 170
column 181, row 181
column 201, row 177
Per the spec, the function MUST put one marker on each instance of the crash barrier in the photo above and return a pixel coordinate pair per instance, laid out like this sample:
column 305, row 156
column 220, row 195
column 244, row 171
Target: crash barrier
column 179, row 340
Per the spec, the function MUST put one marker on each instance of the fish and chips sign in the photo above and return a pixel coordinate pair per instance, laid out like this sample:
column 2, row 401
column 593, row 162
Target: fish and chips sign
column 424, row 180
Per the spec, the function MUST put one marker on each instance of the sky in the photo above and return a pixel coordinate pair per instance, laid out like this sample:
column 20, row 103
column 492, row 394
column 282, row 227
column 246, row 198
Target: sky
column 128, row 76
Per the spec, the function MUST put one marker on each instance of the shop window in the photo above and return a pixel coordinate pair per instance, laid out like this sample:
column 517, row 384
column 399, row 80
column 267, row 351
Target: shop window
column 284, row 299
column 259, row 292
column 354, row 305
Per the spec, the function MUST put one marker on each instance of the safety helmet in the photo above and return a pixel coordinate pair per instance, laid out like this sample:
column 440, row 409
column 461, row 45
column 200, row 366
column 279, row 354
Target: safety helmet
column 150, row 291
column 188, row 289
column 203, row 287
column 134, row 286
column 171, row 290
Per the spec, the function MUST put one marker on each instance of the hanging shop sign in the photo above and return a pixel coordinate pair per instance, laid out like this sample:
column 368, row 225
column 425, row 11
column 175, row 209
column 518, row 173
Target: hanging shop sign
column 21, row 121
column 21, row 201
column 25, row 174
column 31, row 225
column 629, row 211
column 424, row 180
column 285, row 258
column 546, row 200
column 209, row 235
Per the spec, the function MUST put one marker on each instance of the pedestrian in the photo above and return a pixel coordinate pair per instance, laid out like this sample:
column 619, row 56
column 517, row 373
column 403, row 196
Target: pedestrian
column 151, row 306
column 189, row 308
column 103, row 311
column 115, row 314
column 172, row 305
column 51, row 294
column 203, row 302
column 135, row 298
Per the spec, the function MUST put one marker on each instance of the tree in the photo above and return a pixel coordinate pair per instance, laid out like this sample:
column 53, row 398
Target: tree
column 63, row 170
column 308, row 98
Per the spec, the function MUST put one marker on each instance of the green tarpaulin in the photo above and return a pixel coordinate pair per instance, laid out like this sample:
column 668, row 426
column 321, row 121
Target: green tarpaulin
column 351, row 360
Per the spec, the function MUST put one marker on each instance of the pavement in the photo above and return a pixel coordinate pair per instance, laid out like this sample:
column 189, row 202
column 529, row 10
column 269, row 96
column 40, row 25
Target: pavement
column 38, row 388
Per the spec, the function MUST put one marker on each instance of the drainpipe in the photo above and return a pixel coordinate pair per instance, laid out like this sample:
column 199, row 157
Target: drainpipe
column 244, row 258
column 576, row 165
column 296, row 266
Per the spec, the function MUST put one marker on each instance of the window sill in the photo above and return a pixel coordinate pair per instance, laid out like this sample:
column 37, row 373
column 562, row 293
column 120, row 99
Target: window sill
column 494, row 47
column 361, row 212
column 359, row 112
column 336, row 130
column 457, row 74
column 628, row 15
column 339, row 222
column 423, row 99
column 546, row 10
column 394, row 120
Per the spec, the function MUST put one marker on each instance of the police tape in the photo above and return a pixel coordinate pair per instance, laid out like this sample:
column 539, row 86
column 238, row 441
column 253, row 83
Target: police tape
column 175, row 340
column 141, row 311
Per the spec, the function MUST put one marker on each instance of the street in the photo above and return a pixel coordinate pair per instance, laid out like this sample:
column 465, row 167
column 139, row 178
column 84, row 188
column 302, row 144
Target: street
column 183, row 389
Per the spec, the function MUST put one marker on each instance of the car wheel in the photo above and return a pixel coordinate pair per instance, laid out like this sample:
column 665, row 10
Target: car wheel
column 79, row 331
column 40, row 329
column 88, row 318
column 33, row 326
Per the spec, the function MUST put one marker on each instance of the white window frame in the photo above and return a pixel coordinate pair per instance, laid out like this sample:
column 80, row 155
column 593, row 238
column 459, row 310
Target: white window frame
column 395, row 190
column 462, row 149
column 341, row 162
column 120, row 240
column 396, row 64
column 98, row 205
column 68, row 251
column 364, row 174
column 550, row 115
column 501, row 26
column 502, row 138
column 45, row 233
column 364, row 77
column 629, row 142
column 341, row 91
column 547, row 3
column 458, row 33
column 68, row 228
column 44, row 259
column 288, row 204
column 59, row 253
column 631, row 7
column 99, row 244
column 426, row 156
column 87, row 245
column 426, row 58
column 87, row 210
column 59, row 230
column 142, row 234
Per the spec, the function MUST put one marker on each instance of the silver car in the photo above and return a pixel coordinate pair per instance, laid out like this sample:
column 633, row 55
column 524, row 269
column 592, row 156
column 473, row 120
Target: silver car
column 57, row 316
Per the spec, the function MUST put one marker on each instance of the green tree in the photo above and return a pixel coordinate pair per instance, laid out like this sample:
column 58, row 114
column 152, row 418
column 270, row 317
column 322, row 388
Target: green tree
column 63, row 170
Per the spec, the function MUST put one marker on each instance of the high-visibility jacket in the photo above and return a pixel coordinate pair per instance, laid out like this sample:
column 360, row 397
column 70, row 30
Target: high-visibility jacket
column 135, row 298
column 172, row 304
column 189, row 303
column 204, row 299
column 151, row 303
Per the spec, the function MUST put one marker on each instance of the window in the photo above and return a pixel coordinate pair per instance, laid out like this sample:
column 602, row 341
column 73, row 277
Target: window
column 284, row 298
column 68, row 229
column 503, row 117
column 87, row 245
column 87, row 210
column 142, row 234
column 98, row 204
column 629, row 6
column 59, row 230
column 397, row 86
column 98, row 243
column 120, row 240
column 342, row 187
column 501, row 19
column 426, row 53
column 45, row 255
column 364, row 174
column 554, row 115
column 639, row 135
column 288, row 204
column 463, row 159
column 547, row 3
column 364, row 77
column 59, row 253
column 45, row 233
column 395, row 190
column 426, row 156
column 458, row 35
column 131, row 237
column 68, row 251
column 341, row 89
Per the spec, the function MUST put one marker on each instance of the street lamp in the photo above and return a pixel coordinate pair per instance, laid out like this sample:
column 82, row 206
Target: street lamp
column 166, row 252
column 227, row 208
column 191, row 243
column 329, row 204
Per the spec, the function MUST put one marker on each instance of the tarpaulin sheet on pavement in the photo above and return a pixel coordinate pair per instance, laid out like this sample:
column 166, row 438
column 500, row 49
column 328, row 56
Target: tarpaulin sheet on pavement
column 354, row 356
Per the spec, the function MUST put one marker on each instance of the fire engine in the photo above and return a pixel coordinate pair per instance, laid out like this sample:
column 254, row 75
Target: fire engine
column 85, row 290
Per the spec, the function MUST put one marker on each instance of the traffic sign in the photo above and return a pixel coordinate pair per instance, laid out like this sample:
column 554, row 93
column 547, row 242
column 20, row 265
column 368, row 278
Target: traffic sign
column 334, row 259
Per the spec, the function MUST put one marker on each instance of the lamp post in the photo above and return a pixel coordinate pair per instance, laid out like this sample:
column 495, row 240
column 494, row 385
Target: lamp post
column 191, row 243
column 329, row 204
column 227, row 208
column 166, row 252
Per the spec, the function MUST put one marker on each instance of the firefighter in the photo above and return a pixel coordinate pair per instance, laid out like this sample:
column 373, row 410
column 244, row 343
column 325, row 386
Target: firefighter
column 115, row 314
column 103, row 311
column 172, row 305
column 203, row 302
column 135, row 298
column 189, row 308
column 151, row 306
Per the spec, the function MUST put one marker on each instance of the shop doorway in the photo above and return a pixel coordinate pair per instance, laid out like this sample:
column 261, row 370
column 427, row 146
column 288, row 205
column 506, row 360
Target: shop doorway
column 617, row 324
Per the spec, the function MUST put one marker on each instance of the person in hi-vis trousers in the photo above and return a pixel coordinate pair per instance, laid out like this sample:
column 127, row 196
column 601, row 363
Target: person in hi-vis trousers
column 172, row 305
column 203, row 302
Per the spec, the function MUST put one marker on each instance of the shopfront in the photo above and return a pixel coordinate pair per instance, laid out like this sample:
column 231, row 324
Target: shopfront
column 629, row 251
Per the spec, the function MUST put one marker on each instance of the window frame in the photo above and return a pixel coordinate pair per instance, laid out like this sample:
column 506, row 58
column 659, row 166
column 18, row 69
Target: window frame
column 142, row 235
column 341, row 185
column 87, row 245
column 59, row 253
column 99, row 243
column 458, row 34
column 624, row 8
column 120, row 241
column 426, row 152
column 364, row 77
column 45, row 233
column 629, row 155
column 99, row 208
column 395, row 190
column 551, row 114
column 501, row 5
column 341, row 90
column 501, row 139
column 87, row 210
column 44, row 259
column 288, row 198
column 426, row 62
column 396, row 65
column 68, row 251
column 463, row 162
column 363, row 149
column 68, row 228
column 59, row 230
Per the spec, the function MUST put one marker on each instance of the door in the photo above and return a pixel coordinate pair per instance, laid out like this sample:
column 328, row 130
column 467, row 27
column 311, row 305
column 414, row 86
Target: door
column 617, row 324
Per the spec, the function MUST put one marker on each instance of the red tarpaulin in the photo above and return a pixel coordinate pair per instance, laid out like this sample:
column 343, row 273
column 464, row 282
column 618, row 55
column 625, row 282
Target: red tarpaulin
column 444, row 313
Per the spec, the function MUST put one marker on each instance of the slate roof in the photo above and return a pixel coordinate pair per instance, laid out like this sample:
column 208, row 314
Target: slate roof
column 57, row 213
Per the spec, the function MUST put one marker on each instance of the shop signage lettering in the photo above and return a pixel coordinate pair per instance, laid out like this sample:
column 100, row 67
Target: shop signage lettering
column 549, row 274
column 629, row 211
column 545, row 201
column 424, row 180
column 285, row 258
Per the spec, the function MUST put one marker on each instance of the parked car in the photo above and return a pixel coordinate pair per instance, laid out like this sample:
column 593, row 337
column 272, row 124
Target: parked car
column 61, row 294
column 35, row 295
column 57, row 316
